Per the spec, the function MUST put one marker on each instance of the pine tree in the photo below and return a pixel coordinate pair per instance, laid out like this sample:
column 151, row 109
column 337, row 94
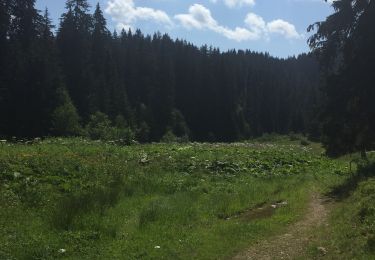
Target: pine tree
column 65, row 119
column 22, row 65
column 48, row 75
column 344, row 45
column 4, row 30
column 100, row 57
column 74, row 42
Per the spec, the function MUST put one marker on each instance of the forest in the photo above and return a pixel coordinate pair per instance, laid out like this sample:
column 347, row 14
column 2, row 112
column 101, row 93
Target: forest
column 55, row 81
column 121, row 145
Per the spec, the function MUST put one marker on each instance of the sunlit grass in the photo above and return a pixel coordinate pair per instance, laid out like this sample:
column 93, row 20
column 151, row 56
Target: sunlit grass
column 183, row 201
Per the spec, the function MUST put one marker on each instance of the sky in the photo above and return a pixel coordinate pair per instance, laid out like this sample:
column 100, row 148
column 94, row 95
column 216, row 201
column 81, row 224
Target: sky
column 274, row 26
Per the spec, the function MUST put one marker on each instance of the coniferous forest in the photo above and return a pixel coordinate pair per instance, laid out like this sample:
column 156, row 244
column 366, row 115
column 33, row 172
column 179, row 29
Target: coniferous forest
column 57, row 84
column 121, row 145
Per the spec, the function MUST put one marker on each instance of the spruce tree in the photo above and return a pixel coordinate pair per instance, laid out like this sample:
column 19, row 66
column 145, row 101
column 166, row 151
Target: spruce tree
column 74, row 43
column 344, row 46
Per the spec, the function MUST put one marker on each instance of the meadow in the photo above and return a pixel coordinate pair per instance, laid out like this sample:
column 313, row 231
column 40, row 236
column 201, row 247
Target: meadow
column 80, row 199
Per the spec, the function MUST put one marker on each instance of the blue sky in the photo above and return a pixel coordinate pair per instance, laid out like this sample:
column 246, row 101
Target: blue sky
column 274, row 26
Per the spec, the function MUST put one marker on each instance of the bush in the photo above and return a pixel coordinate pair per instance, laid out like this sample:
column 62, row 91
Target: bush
column 100, row 128
column 170, row 137
column 65, row 119
column 124, row 136
column 143, row 132
column 294, row 137
column 269, row 137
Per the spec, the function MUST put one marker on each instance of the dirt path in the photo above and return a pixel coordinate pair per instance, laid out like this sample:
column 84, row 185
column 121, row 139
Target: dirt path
column 293, row 243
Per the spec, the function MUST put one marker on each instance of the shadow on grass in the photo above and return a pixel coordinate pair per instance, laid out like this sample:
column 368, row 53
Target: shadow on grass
column 345, row 189
column 96, row 200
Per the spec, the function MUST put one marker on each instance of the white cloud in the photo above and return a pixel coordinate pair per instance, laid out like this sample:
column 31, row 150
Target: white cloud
column 236, row 3
column 239, row 3
column 199, row 17
column 256, row 23
column 284, row 28
column 125, row 13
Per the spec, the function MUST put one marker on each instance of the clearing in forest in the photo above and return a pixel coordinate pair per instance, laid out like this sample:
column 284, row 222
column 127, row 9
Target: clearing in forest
column 78, row 199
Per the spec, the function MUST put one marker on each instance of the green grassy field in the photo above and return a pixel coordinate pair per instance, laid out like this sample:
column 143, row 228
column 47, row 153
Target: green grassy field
column 78, row 199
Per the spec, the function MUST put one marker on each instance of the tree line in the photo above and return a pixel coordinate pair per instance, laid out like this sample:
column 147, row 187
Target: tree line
column 86, row 80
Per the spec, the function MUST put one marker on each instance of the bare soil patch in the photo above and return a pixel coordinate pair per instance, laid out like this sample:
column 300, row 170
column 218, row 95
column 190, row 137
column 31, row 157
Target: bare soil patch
column 294, row 242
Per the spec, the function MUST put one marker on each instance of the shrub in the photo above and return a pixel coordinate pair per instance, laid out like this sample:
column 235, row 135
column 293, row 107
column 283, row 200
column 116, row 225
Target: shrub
column 65, row 119
column 124, row 136
column 143, row 132
column 294, row 137
column 169, row 137
column 99, row 127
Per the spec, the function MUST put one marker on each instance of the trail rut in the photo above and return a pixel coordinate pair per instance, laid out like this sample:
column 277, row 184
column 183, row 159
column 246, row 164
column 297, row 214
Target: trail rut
column 293, row 243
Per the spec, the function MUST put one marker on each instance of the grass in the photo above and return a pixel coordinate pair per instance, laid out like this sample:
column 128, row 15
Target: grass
column 97, row 200
column 350, row 233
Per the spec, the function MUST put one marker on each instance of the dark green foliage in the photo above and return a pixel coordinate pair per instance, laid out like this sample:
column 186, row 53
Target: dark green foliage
column 344, row 44
column 65, row 119
column 100, row 128
column 169, row 137
column 143, row 132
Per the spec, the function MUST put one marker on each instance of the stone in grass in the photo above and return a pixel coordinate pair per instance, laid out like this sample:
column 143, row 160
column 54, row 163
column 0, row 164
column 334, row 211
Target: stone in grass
column 62, row 251
column 157, row 247
column 322, row 250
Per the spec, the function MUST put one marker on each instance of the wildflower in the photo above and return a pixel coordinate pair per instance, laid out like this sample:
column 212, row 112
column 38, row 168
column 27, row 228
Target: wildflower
column 16, row 175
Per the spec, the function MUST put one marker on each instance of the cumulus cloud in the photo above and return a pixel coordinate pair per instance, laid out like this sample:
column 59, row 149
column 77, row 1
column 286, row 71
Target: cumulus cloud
column 284, row 28
column 199, row 17
column 125, row 13
column 256, row 23
column 239, row 3
column 236, row 3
